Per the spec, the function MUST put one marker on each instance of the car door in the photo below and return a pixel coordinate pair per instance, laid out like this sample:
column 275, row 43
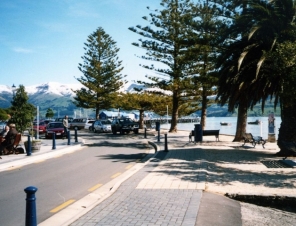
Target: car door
column 100, row 126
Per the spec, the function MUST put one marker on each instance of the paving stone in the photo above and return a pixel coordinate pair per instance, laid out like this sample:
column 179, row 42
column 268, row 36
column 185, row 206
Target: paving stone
column 155, row 195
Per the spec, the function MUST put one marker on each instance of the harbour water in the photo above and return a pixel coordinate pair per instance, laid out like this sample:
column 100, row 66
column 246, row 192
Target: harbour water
column 214, row 123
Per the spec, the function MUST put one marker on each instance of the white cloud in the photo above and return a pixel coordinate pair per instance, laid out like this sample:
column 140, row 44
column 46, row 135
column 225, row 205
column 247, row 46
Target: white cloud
column 22, row 50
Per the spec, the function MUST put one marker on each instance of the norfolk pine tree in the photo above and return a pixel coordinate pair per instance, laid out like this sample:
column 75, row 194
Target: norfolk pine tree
column 101, row 73
column 208, row 19
column 164, row 44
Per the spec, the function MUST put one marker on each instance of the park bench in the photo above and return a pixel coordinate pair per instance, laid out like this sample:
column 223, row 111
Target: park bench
column 206, row 133
column 249, row 138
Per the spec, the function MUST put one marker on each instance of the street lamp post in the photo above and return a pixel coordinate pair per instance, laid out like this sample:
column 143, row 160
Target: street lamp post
column 13, row 89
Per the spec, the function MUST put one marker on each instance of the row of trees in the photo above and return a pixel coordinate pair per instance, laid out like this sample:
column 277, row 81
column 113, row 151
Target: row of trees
column 243, row 51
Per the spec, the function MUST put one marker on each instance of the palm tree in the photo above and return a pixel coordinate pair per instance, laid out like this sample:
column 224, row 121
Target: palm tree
column 247, row 74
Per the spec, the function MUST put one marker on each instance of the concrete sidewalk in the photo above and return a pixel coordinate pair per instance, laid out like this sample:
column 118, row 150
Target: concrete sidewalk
column 180, row 187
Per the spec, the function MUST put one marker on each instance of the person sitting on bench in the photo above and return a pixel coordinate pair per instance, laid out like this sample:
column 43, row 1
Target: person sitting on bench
column 8, row 140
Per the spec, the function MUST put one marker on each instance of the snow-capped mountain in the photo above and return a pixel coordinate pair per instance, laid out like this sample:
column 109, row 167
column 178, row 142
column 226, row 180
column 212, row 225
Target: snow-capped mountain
column 52, row 95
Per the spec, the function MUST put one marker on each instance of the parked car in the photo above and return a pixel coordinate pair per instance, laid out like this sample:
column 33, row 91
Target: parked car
column 79, row 123
column 88, row 124
column 124, row 125
column 61, row 119
column 102, row 126
column 55, row 127
column 41, row 127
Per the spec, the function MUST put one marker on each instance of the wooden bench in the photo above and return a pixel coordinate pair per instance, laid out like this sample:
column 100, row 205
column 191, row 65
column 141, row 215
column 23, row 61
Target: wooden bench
column 13, row 148
column 249, row 138
column 211, row 133
column 206, row 133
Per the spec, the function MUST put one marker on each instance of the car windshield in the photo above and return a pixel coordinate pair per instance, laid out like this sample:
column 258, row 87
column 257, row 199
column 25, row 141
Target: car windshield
column 55, row 125
column 106, row 122
column 125, row 120
column 91, row 121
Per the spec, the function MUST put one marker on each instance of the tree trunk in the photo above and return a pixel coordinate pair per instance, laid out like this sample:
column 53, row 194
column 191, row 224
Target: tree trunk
column 204, row 109
column 241, row 122
column 141, row 119
column 287, row 132
column 174, row 121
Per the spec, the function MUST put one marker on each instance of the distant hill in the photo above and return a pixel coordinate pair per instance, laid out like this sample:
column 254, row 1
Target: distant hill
column 59, row 97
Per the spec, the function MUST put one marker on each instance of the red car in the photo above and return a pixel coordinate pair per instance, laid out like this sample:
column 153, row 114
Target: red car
column 55, row 127
column 42, row 127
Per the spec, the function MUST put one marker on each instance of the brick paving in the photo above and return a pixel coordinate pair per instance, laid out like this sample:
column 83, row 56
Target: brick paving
column 156, row 195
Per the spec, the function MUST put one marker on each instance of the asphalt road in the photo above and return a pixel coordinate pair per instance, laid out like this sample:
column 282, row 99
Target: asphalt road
column 67, row 178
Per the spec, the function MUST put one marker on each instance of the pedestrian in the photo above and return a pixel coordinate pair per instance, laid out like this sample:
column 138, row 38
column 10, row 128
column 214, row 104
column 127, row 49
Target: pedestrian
column 66, row 125
column 8, row 140
column 4, row 131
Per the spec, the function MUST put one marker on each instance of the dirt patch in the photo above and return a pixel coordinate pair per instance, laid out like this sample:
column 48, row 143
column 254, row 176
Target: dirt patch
column 283, row 203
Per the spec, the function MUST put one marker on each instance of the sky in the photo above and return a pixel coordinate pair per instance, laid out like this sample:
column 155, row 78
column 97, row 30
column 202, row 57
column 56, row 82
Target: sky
column 42, row 41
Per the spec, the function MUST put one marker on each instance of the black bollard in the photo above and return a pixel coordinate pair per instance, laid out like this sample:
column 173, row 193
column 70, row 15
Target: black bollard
column 158, row 137
column 68, row 137
column 53, row 141
column 76, row 140
column 145, row 134
column 31, row 217
column 166, row 142
column 29, row 148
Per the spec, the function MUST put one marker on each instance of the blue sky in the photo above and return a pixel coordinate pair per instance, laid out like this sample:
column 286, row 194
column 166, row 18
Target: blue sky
column 42, row 40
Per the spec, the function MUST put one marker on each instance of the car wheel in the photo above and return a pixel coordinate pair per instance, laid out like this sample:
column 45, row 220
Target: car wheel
column 76, row 128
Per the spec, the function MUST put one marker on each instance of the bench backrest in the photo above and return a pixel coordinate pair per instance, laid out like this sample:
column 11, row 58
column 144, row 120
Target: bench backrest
column 248, row 136
column 210, row 132
column 17, row 139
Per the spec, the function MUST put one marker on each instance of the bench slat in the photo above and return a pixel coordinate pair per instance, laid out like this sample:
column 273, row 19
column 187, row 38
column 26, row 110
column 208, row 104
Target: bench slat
column 206, row 133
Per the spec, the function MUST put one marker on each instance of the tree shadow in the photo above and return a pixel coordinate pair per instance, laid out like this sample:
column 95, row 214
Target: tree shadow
column 222, row 167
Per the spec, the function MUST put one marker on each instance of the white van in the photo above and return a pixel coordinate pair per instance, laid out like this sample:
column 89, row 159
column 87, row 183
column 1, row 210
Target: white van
column 79, row 123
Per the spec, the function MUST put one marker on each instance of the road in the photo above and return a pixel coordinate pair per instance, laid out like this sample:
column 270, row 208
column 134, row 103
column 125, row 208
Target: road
column 67, row 178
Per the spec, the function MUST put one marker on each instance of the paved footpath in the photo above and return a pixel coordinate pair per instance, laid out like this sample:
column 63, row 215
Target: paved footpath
column 168, row 190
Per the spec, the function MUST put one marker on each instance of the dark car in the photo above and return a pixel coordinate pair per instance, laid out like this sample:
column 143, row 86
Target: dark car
column 124, row 125
column 55, row 127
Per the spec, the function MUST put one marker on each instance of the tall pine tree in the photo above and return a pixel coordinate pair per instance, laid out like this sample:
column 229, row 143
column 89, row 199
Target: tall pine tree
column 101, row 70
column 164, row 44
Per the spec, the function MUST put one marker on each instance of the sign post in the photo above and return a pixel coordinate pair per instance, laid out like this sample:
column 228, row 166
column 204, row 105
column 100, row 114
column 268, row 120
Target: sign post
column 271, row 128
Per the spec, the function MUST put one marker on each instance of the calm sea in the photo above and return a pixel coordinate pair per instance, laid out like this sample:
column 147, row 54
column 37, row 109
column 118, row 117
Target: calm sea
column 214, row 123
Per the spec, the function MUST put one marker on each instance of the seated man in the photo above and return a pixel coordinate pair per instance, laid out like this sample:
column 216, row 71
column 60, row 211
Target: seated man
column 8, row 140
